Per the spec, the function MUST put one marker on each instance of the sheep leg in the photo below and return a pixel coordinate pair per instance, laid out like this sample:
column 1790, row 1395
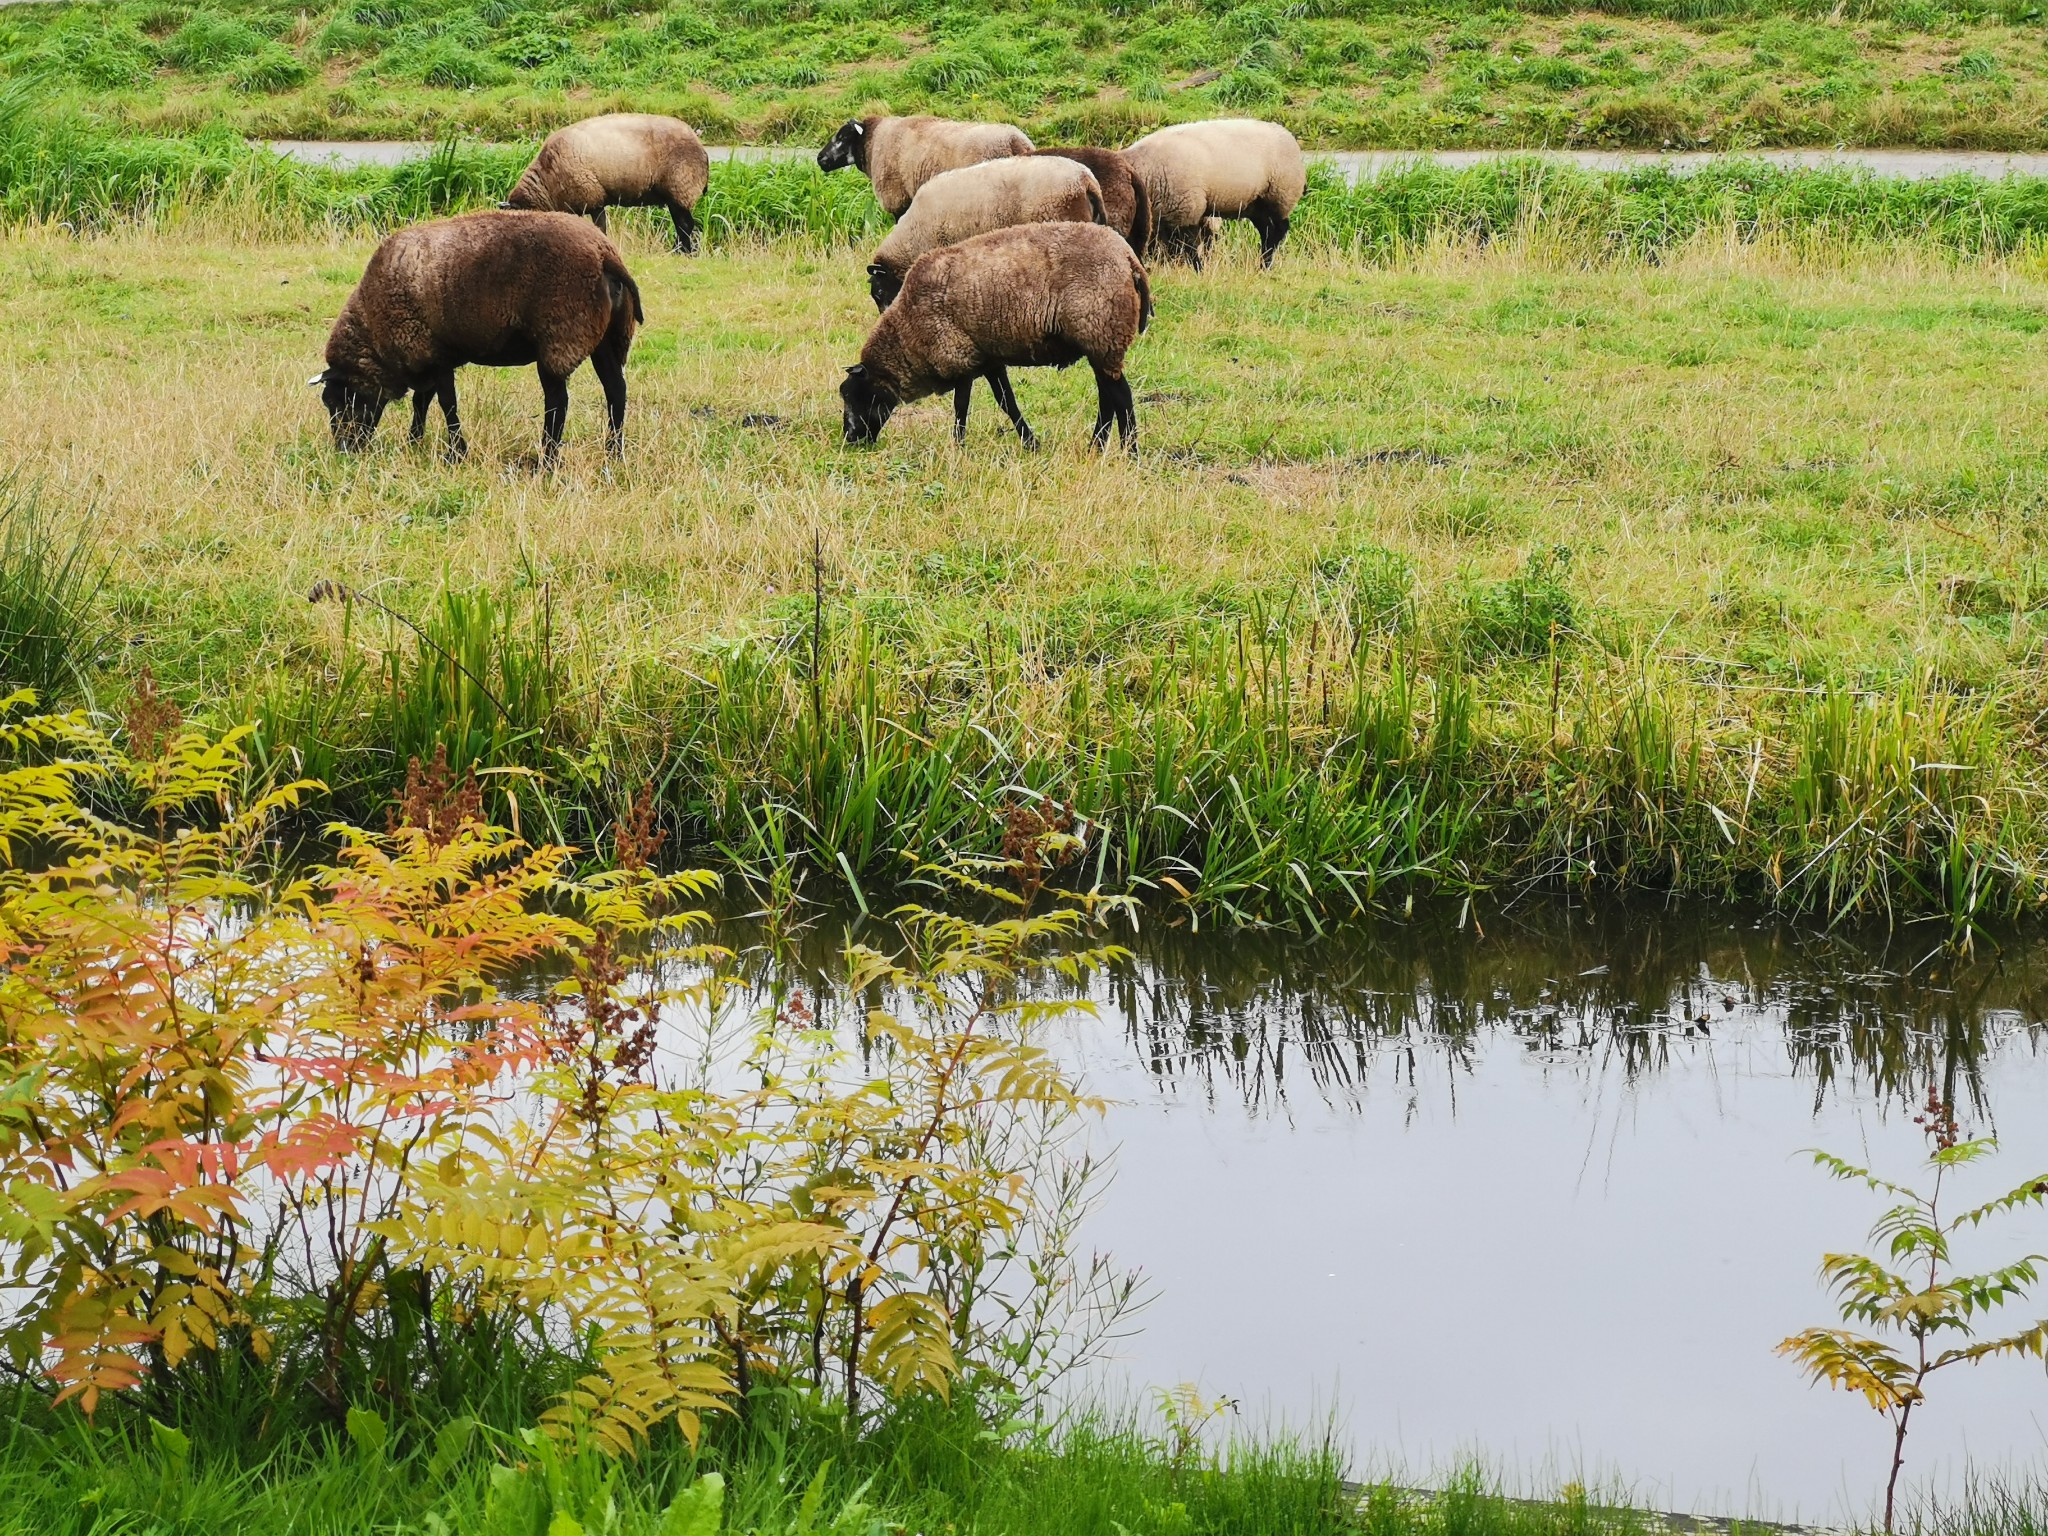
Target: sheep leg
column 1126, row 417
column 1108, row 403
column 611, row 373
column 421, row 399
column 597, row 218
column 999, row 385
column 554, row 394
column 1272, row 226
column 686, row 227
column 963, row 392
column 458, row 445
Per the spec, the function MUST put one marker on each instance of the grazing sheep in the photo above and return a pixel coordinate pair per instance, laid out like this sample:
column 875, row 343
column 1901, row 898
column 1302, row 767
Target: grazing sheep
column 498, row 289
column 1031, row 295
column 901, row 154
column 1126, row 206
column 956, row 205
column 1231, row 168
column 620, row 160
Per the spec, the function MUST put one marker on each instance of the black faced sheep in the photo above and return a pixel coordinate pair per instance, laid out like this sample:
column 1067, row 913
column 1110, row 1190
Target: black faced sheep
column 498, row 289
column 621, row 160
column 901, row 154
column 956, row 205
column 1126, row 206
column 1029, row 296
column 1231, row 168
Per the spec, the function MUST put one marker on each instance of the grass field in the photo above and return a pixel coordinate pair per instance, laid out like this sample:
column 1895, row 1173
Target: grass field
column 1342, row 73
column 1489, row 563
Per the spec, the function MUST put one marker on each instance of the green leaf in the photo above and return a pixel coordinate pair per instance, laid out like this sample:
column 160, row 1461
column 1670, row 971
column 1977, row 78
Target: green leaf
column 173, row 1445
column 367, row 1428
column 451, row 1444
column 814, row 1497
column 698, row 1510
column 565, row 1525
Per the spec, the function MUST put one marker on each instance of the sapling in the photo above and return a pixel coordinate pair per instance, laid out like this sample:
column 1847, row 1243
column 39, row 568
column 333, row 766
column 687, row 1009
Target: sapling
column 1936, row 1310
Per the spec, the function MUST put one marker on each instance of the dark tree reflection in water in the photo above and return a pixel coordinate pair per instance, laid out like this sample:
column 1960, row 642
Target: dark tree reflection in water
column 1870, row 1012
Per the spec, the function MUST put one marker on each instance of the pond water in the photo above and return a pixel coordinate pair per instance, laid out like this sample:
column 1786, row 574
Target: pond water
column 1532, row 1190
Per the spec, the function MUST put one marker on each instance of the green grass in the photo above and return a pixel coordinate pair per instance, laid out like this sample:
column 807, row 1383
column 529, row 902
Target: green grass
column 58, row 166
column 1475, row 562
column 786, row 1470
column 1343, row 73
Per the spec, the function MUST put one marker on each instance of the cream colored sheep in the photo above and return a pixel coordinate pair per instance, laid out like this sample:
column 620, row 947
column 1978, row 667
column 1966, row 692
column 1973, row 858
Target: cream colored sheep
column 620, row 160
column 1033, row 295
column 957, row 205
column 901, row 154
column 1228, row 168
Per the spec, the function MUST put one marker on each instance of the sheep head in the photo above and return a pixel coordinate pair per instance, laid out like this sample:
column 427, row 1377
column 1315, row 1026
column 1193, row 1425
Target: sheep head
column 353, row 409
column 868, row 403
column 846, row 147
column 883, row 285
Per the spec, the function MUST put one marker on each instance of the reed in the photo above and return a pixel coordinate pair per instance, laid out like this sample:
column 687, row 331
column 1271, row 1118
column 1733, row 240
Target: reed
column 57, row 167
column 53, row 635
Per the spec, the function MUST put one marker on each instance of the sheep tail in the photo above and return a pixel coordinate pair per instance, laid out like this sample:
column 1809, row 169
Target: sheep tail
column 1101, row 214
column 1144, row 286
column 1141, row 215
column 622, row 284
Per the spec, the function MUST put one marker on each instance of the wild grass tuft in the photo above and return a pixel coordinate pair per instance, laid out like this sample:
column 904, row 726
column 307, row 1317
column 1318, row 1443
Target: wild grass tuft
column 53, row 637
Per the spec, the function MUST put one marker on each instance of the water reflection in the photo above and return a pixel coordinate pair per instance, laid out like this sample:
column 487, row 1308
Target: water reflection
column 1869, row 1012
column 1533, row 1186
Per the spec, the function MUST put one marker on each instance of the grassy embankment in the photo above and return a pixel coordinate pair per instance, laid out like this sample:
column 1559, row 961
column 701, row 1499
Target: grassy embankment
column 1344, row 73
column 1519, row 525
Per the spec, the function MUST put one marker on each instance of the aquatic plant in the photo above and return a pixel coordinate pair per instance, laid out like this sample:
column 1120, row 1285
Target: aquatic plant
column 1939, row 1313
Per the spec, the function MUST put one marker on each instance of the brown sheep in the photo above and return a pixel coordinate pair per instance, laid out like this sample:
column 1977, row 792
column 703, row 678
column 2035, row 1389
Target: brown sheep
column 955, row 205
column 620, row 160
column 498, row 289
column 1126, row 205
column 901, row 154
column 1231, row 168
column 1031, row 295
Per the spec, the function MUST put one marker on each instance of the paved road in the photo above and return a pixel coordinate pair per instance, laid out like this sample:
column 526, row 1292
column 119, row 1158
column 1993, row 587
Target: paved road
column 1904, row 164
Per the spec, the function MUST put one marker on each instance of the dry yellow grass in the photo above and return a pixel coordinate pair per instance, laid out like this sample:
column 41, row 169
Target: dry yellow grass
column 1754, row 456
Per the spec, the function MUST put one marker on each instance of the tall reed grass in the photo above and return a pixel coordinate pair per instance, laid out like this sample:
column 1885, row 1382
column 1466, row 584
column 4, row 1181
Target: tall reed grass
column 52, row 637
column 1288, row 769
column 59, row 168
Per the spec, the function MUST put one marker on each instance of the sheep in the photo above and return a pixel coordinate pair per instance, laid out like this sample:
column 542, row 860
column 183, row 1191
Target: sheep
column 1232, row 168
column 975, row 199
column 1030, row 295
column 1125, row 202
column 620, row 160
column 901, row 154
column 498, row 289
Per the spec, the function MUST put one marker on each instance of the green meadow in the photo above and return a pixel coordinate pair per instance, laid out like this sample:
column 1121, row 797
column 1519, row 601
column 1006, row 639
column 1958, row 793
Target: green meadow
column 1342, row 73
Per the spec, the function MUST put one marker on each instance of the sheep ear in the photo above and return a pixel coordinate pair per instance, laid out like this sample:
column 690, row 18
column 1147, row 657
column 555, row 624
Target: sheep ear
column 318, row 379
column 857, row 128
column 857, row 371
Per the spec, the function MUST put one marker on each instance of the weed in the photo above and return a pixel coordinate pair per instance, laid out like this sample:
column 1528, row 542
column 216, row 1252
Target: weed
column 1532, row 613
column 1939, row 1311
column 52, row 637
